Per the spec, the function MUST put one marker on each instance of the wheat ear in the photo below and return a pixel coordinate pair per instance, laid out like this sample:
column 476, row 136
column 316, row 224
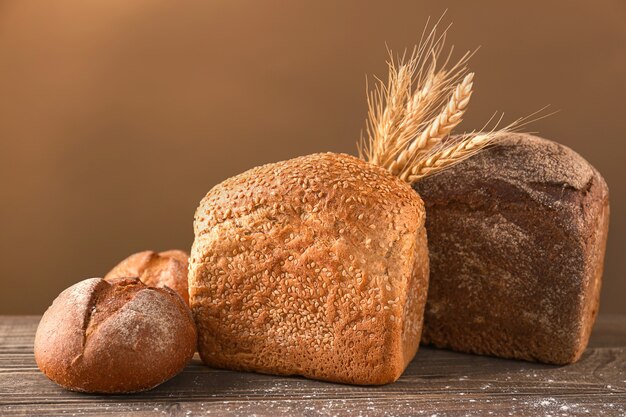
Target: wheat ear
column 449, row 117
column 386, row 108
column 411, row 118
column 456, row 150
column 403, row 107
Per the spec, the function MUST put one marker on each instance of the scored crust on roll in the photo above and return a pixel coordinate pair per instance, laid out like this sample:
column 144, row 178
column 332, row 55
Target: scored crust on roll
column 114, row 337
column 164, row 269
column 315, row 266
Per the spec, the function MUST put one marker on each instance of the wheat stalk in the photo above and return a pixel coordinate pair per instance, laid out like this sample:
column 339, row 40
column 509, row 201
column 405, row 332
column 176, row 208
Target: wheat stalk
column 411, row 118
column 386, row 108
column 415, row 92
column 449, row 117
column 456, row 150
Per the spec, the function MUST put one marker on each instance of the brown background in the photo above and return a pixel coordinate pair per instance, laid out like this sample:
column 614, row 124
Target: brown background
column 116, row 117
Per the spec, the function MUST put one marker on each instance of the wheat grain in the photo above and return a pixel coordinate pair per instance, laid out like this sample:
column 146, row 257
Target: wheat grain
column 446, row 157
column 453, row 151
column 385, row 119
column 419, row 110
column 396, row 113
column 449, row 117
column 411, row 118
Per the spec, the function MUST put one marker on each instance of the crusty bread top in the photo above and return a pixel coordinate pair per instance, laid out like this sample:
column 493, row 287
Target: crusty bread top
column 547, row 162
column 520, row 171
column 330, row 216
column 527, row 162
column 164, row 269
column 362, row 194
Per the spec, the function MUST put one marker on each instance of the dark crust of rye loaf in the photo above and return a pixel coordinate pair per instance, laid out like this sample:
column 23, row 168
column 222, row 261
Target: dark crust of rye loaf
column 315, row 266
column 114, row 337
column 516, row 237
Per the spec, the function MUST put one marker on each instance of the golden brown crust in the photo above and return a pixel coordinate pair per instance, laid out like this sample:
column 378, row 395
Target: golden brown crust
column 164, row 269
column 114, row 337
column 415, row 298
column 304, row 267
column 180, row 255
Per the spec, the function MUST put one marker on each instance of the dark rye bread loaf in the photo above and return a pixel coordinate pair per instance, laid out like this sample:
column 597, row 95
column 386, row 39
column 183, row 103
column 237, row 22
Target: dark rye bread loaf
column 516, row 237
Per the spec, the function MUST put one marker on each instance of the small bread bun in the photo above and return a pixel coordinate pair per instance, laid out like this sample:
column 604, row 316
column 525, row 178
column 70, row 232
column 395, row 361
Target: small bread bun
column 168, row 268
column 114, row 337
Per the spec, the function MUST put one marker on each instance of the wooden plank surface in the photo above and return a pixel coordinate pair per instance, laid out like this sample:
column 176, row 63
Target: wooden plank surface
column 437, row 383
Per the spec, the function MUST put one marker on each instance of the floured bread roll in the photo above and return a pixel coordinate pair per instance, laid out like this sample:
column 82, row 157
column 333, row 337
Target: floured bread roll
column 114, row 337
column 315, row 266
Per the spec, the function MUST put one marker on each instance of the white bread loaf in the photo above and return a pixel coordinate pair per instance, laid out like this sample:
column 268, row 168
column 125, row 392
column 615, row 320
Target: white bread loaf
column 315, row 266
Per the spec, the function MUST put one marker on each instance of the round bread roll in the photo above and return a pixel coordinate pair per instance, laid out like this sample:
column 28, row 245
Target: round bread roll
column 114, row 337
column 168, row 268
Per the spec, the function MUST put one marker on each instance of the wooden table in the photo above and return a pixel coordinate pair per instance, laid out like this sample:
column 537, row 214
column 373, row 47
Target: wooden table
column 437, row 383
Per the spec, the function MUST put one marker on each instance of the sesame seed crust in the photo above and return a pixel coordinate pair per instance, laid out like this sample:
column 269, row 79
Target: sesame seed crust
column 315, row 266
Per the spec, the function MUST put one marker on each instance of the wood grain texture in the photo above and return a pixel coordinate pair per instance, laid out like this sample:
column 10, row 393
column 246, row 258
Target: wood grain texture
column 437, row 382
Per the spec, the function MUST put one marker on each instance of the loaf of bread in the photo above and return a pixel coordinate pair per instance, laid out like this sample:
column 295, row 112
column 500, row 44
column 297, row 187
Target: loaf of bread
column 516, row 237
column 315, row 266
column 168, row 268
column 114, row 337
